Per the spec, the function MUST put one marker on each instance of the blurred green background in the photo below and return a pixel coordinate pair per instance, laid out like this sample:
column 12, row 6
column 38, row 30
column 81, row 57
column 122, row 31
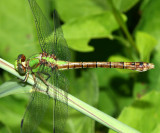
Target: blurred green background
column 95, row 30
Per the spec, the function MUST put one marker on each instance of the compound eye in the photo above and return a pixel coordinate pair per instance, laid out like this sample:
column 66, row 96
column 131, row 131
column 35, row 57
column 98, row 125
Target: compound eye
column 21, row 69
column 21, row 57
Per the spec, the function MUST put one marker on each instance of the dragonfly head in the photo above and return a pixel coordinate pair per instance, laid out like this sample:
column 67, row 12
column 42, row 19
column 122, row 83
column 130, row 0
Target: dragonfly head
column 20, row 64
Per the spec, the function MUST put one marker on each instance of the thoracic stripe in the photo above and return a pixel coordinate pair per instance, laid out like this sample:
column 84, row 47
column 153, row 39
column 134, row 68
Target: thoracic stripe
column 48, row 60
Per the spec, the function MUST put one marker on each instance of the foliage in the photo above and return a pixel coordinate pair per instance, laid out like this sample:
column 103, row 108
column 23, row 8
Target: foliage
column 96, row 30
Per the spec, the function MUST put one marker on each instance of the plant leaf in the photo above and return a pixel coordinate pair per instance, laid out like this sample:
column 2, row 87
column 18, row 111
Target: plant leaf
column 89, row 7
column 150, row 19
column 145, row 44
column 143, row 114
column 80, row 31
column 12, row 87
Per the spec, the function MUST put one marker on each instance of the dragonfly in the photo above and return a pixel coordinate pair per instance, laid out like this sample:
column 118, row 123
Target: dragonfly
column 50, row 63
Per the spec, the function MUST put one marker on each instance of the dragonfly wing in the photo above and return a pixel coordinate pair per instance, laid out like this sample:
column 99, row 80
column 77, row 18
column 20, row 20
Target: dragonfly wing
column 44, row 30
column 58, row 45
column 34, row 112
column 60, row 108
column 61, row 47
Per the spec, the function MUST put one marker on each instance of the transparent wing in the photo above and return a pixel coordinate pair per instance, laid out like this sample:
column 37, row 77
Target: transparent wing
column 44, row 30
column 35, row 112
column 60, row 112
column 58, row 45
column 62, row 52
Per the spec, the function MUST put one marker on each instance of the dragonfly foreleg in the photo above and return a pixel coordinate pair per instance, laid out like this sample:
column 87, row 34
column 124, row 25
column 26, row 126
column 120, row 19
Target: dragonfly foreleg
column 26, row 77
column 35, row 82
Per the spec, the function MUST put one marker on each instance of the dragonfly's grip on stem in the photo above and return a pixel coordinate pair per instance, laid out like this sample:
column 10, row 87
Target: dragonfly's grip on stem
column 138, row 66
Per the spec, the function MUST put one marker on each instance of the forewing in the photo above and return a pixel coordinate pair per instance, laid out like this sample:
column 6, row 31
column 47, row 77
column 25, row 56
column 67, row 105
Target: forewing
column 61, row 48
column 44, row 30
column 35, row 112
column 58, row 45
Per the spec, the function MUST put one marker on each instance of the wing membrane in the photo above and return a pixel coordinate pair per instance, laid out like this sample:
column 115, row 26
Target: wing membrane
column 35, row 112
column 60, row 109
column 44, row 30
column 58, row 45
column 62, row 51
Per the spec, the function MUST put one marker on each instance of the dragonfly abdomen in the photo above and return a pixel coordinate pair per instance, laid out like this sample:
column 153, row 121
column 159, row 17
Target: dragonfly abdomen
column 138, row 66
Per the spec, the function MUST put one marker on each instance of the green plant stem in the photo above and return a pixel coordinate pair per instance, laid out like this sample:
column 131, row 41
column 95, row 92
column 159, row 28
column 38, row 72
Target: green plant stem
column 73, row 102
column 122, row 25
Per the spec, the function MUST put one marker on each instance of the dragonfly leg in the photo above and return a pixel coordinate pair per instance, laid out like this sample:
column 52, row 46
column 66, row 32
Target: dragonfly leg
column 34, row 77
column 35, row 82
column 47, row 74
column 48, row 77
column 26, row 77
column 45, row 82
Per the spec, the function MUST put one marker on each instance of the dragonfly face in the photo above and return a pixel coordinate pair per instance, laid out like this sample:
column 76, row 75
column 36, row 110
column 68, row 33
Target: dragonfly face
column 20, row 64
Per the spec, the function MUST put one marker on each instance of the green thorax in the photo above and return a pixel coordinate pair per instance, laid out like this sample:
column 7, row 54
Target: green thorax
column 35, row 62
